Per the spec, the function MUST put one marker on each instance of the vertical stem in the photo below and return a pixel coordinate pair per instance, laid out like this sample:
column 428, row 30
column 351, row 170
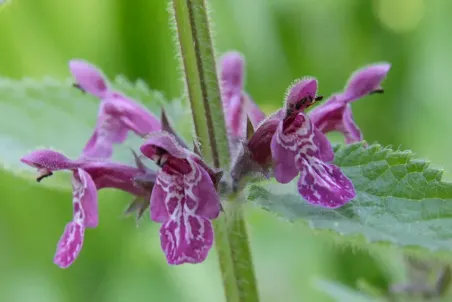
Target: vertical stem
column 197, row 54
column 240, row 252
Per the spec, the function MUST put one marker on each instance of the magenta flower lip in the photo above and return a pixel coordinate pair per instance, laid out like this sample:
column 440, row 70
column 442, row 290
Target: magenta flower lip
column 299, row 148
column 88, row 78
column 88, row 176
column 184, row 200
column 165, row 141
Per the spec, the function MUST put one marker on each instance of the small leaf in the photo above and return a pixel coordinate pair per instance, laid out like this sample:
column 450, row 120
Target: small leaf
column 399, row 200
column 51, row 113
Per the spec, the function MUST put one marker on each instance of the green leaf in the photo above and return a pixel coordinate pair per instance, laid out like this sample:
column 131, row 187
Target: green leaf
column 399, row 200
column 341, row 293
column 51, row 113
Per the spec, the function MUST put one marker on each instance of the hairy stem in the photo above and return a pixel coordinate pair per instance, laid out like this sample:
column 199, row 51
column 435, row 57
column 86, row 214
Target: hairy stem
column 198, row 60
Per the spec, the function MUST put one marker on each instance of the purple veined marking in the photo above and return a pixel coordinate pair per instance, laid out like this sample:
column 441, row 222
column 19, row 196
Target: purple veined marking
column 184, row 200
column 88, row 176
column 292, row 146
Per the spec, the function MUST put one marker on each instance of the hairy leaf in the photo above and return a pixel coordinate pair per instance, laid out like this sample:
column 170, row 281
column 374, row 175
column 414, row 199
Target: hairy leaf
column 399, row 199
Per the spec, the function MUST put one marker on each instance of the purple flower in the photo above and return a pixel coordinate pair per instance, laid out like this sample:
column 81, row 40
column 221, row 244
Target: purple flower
column 184, row 200
column 88, row 176
column 292, row 145
column 236, row 103
column 336, row 113
column 118, row 114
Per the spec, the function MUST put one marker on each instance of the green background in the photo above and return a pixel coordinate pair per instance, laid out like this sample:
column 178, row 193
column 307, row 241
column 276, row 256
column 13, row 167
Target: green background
column 282, row 40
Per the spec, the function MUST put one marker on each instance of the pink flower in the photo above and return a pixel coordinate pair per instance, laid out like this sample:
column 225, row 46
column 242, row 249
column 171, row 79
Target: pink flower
column 88, row 176
column 290, row 143
column 336, row 113
column 237, row 104
column 118, row 114
column 184, row 200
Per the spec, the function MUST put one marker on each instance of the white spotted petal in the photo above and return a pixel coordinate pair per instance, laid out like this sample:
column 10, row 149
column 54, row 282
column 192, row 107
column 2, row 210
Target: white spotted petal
column 184, row 200
column 298, row 146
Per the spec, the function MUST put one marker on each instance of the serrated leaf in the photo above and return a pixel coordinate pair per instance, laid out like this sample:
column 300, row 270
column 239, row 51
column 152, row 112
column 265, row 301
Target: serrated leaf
column 51, row 113
column 399, row 200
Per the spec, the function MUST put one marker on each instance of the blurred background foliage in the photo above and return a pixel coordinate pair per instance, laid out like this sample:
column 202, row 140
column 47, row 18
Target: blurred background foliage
column 282, row 40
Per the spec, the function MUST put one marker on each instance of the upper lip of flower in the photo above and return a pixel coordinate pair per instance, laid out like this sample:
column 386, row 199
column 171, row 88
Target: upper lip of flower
column 335, row 113
column 302, row 104
column 118, row 113
column 237, row 105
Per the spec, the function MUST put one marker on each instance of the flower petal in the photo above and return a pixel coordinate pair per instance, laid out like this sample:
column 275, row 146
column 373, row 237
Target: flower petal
column 85, row 215
column 48, row 159
column 336, row 116
column 201, row 197
column 259, row 145
column 85, row 193
column 323, row 184
column 254, row 112
column 284, row 148
column 108, row 174
column 165, row 141
column 70, row 244
column 319, row 183
column 327, row 116
column 231, row 75
column 184, row 202
column 117, row 116
column 236, row 103
column 365, row 81
column 300, row 95
column 132, row 115
column 236, row 117
column 166, row 194
column 89, row 78
column 294, row 136
column 186, row 238
column 351, row 130
column 107, row 132
column 324, row 145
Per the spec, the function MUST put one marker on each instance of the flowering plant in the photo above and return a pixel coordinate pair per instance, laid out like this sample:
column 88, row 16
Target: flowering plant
column 195, row 187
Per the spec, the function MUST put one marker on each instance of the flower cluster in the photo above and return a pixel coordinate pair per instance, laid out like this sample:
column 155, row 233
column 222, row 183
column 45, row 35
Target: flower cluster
column 291, row 142
column 182, row 194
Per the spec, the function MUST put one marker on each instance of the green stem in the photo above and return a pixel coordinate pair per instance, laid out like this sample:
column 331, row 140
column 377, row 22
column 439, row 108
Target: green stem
column 198, row 60
column 240, row 252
